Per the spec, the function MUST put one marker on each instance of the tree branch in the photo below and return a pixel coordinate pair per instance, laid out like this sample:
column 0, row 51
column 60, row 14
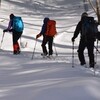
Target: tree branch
column 92, row 6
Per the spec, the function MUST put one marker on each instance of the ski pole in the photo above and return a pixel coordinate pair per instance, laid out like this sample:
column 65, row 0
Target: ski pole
column 34, row 49
column 55, row 50
column 2, row 39
column 96, row 49
column 72, row 54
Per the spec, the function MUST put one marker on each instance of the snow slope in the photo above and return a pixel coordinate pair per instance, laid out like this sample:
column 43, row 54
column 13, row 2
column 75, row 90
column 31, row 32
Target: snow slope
column 23, row 78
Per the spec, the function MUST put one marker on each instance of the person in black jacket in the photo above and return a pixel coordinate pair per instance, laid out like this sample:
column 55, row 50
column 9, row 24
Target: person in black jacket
column 83, row 43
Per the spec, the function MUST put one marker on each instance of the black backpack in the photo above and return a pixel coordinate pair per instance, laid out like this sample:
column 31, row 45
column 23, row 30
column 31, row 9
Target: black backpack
column 89, row 28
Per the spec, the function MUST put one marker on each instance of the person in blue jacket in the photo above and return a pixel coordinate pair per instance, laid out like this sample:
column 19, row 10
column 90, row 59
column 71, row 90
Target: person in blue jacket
column 42, row 33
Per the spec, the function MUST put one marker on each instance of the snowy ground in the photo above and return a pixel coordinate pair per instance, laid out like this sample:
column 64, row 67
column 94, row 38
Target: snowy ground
column 23, row 78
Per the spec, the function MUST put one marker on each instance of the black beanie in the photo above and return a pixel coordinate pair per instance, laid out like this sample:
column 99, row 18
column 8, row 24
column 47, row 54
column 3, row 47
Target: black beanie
column 11, row 16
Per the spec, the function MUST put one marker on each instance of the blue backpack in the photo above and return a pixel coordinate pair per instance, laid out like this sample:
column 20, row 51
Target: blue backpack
column 18, row 24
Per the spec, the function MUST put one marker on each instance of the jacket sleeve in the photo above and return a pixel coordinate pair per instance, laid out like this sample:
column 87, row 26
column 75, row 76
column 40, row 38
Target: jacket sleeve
column 77, row 30
column 43, row 29
column 9, row 25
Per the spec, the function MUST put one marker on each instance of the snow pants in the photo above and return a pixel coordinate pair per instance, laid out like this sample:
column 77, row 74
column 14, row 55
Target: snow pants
column 90, row 47
column 16, row 35
column 49, row 40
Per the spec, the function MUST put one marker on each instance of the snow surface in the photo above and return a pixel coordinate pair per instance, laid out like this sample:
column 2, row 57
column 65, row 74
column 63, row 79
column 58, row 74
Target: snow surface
column 24, row 78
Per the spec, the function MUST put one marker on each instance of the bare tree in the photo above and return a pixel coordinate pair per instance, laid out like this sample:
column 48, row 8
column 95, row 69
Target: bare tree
column 96, row 8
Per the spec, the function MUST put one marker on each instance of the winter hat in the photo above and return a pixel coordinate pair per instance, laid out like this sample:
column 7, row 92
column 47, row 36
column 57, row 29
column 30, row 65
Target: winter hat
column 11, row 16
column 84, row 14
column 45, row 19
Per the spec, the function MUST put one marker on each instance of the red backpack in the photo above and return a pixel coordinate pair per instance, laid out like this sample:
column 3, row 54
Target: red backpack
column 51, row 28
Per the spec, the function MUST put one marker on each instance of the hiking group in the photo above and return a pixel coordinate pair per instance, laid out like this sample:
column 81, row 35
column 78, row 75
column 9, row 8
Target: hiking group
column 87, row 27
column 48, row 31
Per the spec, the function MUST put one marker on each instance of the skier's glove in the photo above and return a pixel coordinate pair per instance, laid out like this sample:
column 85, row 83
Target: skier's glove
column 73, row 39
column 11, row 30
column 37, row 36
column 5, row 30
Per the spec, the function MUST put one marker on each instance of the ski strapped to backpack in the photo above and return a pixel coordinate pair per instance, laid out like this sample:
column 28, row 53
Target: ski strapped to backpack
column 18, row 24
column 89, row 28
column 51, row 28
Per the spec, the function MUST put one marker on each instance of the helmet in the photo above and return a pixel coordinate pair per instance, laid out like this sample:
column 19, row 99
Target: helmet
column 11, row 16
